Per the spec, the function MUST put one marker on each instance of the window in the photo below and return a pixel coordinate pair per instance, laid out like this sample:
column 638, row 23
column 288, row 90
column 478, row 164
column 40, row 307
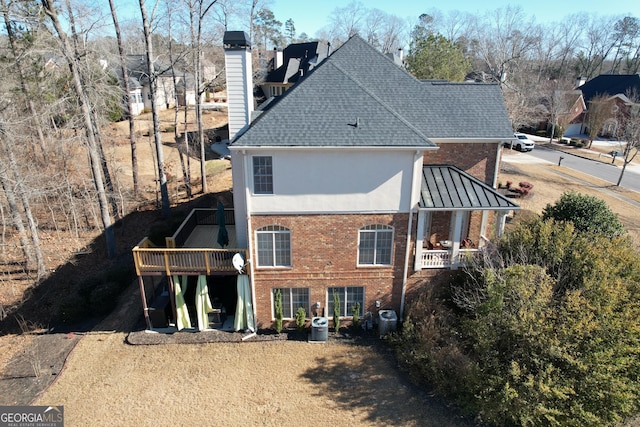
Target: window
column 274, row 246
column 262, row 175
column 348, row 294
column 292, row 299
column 375, row 243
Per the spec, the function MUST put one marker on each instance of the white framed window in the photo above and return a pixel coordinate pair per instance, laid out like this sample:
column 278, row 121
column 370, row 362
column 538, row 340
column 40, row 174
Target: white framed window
column 274, row 246
column 349, row 296
column 375, row 244
column 292, row 300
column 262, row 175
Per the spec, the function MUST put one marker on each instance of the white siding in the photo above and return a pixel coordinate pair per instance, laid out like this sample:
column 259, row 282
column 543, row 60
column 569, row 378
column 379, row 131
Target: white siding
column 342, row 181
column 239, row 89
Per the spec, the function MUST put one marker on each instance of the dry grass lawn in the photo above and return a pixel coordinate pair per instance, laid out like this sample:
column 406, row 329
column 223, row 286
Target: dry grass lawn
column 276, row 383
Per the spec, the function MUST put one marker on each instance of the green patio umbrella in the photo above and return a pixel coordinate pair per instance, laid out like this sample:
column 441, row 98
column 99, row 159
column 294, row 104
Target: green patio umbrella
column 223, row 235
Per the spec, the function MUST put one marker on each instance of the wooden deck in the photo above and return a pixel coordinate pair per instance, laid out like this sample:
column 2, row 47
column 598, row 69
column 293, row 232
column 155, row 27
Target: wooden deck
column 206, row 236
column 192, row 250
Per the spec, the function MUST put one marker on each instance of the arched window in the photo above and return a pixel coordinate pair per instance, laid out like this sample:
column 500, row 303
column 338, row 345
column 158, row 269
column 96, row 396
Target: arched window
column 273, row 246
column 375, row 244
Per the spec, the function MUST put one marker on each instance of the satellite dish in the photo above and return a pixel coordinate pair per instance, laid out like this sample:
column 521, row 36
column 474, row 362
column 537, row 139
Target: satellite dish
column 238, row 262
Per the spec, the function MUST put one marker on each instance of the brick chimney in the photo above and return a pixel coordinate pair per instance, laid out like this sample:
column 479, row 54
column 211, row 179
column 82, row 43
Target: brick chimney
column 237, row 57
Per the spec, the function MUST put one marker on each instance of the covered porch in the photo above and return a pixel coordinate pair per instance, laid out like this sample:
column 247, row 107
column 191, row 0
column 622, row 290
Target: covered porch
column 454, row 214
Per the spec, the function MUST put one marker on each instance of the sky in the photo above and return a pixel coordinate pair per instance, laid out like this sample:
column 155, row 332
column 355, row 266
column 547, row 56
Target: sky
column 311, row 16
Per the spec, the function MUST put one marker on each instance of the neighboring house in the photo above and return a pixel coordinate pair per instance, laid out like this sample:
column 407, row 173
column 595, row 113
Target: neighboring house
column 360, row 181
column 622, row 90
column 291, row 65
column 570, row 111
column 167, row 96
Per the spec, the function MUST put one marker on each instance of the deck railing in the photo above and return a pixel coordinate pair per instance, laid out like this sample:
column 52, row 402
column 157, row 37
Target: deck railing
column 198, row 216
column 445, row 258
column 184, row 261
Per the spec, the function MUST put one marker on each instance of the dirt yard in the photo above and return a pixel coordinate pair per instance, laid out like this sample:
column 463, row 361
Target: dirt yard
column 105, row 381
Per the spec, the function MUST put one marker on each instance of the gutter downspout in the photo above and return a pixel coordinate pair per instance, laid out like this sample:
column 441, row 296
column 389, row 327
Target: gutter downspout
column 247, row 203
column 418, row 154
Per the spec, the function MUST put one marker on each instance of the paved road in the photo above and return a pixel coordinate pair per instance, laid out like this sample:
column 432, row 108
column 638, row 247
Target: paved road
column 605, row 171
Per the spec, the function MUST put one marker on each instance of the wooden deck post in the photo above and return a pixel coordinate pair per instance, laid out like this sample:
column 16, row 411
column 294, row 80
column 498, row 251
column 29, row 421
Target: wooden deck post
column 145, row 308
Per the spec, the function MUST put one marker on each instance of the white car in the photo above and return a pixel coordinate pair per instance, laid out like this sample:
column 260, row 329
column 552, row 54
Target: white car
column 521, row 142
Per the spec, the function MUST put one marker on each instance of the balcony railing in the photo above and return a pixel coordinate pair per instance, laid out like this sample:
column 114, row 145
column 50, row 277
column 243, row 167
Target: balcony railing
column 184, row 260
column 445, row 258
column 177, row 259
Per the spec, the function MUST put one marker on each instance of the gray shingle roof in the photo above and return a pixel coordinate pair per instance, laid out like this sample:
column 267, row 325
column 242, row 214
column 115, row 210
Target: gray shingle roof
column 296, row 57
column 610, row 84
column 359, row 84
column 446, row 187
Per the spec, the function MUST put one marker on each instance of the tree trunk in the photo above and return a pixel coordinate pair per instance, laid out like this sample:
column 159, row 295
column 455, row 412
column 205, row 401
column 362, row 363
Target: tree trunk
column 26, row 207
column 127, row 98
column 95, row 128
column 23, row 86
column 153, row 89
column 90, row 130
column 9, row 191
column 186, row 175
column 196, row 39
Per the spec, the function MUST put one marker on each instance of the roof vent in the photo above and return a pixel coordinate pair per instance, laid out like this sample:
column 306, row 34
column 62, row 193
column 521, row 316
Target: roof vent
column 356, row 124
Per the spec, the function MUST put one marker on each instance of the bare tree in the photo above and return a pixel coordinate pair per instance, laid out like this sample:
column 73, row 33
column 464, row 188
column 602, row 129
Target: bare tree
column 560, row 100
column 629, row 130
column 598, row 45
column 346, row 22
column 91, row 128
column 599, row 111
column 11, row 167
column 18, row 59
column 626, row 33
column 185, row 151
column 153, row 90
column 127, row 98
column 7, row 184
column 198, row 10
column 385, row 32
column 504, row 39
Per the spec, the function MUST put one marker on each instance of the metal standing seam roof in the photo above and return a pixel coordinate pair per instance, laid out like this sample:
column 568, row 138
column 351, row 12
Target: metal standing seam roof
column 445, row 187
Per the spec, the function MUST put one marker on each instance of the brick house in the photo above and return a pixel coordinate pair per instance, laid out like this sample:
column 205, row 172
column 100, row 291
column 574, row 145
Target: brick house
column 363, row 180
column 359, row 181
column 620, row 90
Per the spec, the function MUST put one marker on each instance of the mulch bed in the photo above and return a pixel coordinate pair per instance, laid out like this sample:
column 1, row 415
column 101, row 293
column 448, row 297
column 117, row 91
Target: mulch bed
column 31, row 371
column 145, row 337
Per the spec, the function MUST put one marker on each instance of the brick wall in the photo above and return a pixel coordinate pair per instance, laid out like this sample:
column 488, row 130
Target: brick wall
column 324, row 254
column 477, row 159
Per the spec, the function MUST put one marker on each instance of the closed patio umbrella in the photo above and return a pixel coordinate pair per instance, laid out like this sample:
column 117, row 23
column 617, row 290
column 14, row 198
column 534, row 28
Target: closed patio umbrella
column 244, row 308
column 223, row 235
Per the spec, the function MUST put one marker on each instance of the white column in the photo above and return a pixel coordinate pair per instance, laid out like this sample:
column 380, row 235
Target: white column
column 422, row 221
column 456, row 236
